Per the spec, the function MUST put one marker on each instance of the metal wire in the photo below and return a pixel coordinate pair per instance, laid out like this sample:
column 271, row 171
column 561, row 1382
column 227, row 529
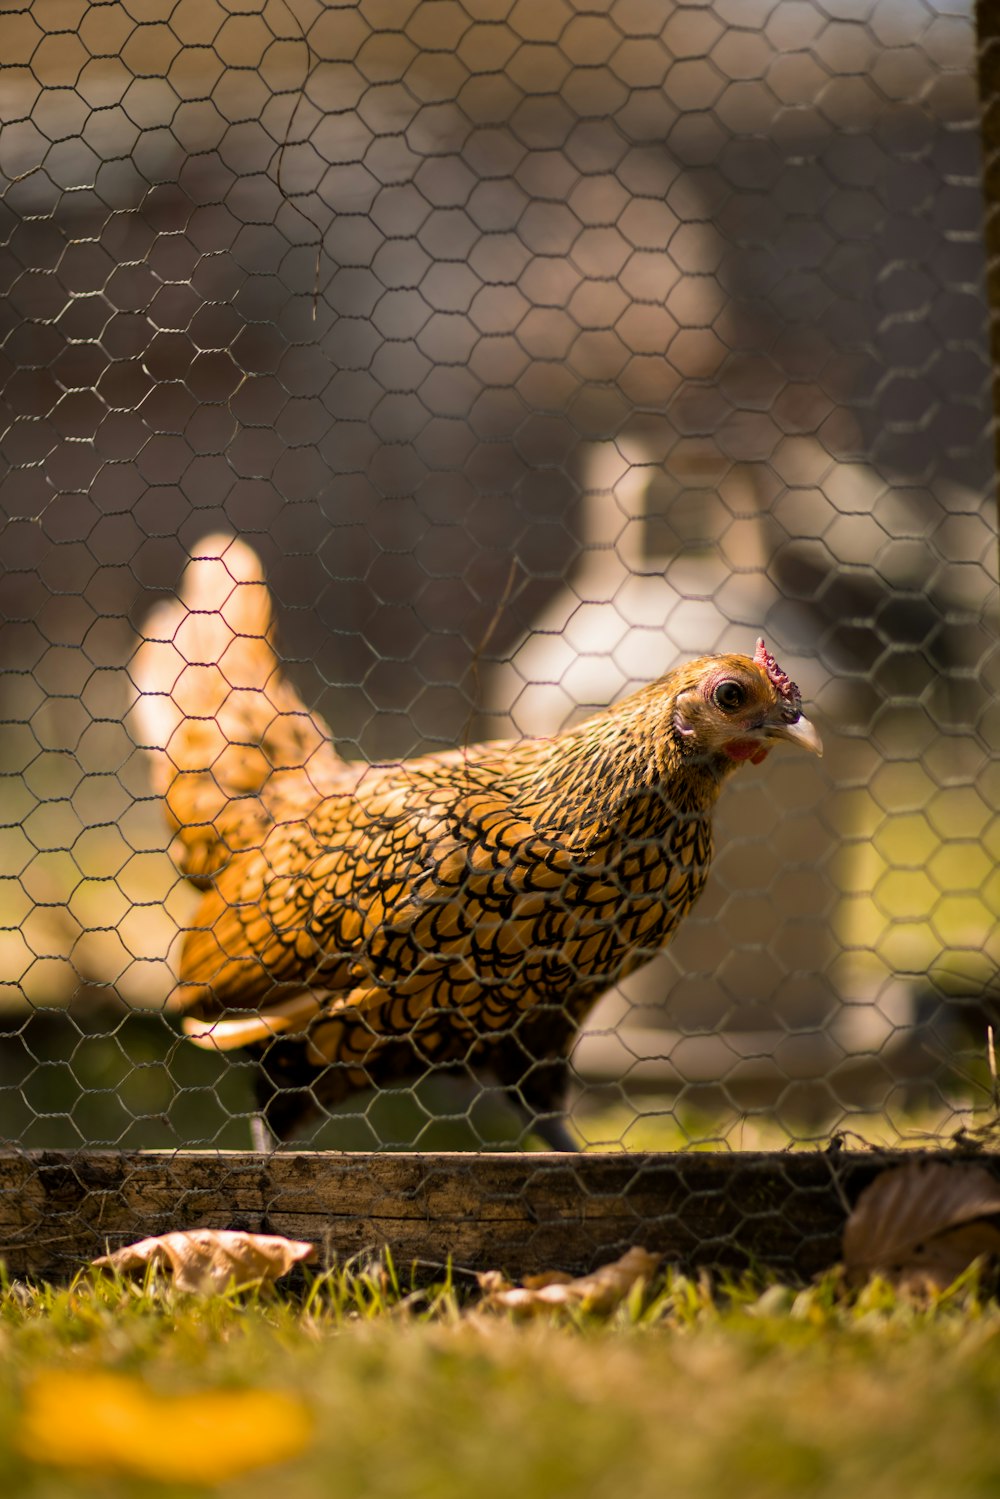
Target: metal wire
column 535, row 348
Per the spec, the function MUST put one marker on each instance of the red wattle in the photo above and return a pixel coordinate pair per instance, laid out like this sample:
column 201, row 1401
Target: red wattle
column 747, row 749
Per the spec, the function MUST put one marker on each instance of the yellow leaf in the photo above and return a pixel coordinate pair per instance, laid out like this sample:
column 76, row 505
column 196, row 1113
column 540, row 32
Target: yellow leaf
column 114, row 1423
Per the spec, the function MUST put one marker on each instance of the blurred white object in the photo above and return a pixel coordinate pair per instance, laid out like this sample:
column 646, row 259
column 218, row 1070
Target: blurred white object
column 624, row 617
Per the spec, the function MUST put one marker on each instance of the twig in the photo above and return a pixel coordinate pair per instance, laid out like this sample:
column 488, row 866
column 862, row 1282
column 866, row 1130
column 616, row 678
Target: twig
column 312, row 62
column 508, row 589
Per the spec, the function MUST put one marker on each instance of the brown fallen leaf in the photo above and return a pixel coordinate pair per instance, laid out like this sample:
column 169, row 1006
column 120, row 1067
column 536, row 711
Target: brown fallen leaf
column 210, row 1259
column 600, row 1292
column 114, row 1423
column 921, row 1225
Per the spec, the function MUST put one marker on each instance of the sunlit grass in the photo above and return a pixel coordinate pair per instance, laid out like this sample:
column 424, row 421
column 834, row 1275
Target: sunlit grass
column 697, row 1388
column 683, row 1128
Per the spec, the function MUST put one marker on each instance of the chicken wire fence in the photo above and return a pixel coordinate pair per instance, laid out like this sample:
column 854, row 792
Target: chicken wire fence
column 534, row 348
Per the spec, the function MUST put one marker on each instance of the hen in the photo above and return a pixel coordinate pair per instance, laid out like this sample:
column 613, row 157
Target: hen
column 362, row 923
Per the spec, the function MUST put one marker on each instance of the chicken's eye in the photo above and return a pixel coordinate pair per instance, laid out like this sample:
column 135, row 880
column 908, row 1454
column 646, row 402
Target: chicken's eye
column 729, row 696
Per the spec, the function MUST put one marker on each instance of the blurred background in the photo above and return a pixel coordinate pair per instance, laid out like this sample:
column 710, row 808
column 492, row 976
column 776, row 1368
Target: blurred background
column 535, row 346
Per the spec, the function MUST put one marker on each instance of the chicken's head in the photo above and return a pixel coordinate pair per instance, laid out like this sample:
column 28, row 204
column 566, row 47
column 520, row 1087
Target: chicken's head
column 740, row 707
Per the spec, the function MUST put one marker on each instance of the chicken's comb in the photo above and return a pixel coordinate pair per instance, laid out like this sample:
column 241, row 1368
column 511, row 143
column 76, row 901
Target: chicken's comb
column 785, row 687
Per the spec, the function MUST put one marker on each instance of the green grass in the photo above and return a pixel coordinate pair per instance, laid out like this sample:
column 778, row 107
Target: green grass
column 693, row 1390
column 114, row 1078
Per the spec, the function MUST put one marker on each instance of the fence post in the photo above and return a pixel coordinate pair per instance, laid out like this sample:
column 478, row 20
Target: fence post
column 988, row 29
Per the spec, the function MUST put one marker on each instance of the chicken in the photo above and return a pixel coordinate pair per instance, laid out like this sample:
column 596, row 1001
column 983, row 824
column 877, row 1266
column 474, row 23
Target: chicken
column 363, row 923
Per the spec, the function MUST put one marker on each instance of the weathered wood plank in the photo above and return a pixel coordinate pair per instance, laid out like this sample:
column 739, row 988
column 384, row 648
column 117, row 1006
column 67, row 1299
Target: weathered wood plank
column 521, row 1212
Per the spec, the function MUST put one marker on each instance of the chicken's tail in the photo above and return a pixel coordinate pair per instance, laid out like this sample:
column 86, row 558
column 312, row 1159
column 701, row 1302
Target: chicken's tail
column 231, row 742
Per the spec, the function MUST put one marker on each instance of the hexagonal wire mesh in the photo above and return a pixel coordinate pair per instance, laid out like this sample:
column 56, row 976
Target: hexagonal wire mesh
column 534, row 348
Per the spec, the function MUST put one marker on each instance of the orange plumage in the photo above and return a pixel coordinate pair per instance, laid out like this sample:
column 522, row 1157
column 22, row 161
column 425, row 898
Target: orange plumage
column 362, row 923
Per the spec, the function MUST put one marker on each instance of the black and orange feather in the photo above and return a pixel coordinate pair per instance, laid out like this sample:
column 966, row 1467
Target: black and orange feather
column 363, row 923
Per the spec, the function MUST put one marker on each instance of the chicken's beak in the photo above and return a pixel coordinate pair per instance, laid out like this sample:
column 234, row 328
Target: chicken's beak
column 801, row 732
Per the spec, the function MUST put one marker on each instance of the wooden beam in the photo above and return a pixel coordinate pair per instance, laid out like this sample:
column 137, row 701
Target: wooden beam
column 519, row 1212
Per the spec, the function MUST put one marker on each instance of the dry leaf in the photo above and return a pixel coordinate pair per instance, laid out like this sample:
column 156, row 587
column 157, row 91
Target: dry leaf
column 210, row 1259
column 601, row 1291
column 921, row 1225
column 113, row 1423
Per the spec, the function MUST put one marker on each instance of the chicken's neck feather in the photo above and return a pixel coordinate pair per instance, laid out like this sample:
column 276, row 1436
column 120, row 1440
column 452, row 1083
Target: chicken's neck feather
column 624, row 772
